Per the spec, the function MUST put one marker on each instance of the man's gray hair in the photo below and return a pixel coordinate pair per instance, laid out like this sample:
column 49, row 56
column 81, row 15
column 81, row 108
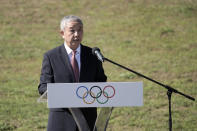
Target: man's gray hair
column 68, row 19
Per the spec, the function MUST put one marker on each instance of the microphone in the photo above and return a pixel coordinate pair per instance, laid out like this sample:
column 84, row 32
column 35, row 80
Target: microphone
column 96, row 51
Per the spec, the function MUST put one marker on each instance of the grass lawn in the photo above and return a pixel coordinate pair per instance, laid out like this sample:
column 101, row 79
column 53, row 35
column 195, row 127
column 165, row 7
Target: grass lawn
column 155, row 37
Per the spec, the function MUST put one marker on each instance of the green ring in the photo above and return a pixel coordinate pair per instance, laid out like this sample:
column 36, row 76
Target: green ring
column 104, row 101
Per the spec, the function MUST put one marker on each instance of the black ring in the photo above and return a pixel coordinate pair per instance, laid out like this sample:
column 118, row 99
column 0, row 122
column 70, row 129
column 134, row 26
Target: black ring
column 97, row 96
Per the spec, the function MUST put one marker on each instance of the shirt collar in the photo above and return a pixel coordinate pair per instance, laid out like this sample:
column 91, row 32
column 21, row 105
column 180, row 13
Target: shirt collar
column 69, row 50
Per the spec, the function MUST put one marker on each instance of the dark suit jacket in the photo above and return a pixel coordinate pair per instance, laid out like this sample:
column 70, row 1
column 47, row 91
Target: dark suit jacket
column 56, row 68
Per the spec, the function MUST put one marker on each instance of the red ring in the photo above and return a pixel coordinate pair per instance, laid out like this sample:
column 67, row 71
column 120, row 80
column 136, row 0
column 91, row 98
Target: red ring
column 104, row 91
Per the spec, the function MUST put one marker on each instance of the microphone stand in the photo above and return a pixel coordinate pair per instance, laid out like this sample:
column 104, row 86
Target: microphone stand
column 170, row 90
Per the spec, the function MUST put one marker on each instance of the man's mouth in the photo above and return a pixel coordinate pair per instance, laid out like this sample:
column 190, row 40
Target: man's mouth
column 76, row 40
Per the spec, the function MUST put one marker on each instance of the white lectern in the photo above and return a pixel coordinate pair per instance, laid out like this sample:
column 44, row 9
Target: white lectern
column 100, row 94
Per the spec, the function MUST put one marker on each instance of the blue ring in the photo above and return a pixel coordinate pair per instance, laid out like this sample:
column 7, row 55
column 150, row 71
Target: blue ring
column 78, row 90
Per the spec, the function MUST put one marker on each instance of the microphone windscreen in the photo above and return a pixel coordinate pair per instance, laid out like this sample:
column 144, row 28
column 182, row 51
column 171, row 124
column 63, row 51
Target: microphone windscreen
column 95, row 49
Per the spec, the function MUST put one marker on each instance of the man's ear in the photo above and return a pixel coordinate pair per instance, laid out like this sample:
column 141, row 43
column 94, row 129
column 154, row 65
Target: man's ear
column 62, row 34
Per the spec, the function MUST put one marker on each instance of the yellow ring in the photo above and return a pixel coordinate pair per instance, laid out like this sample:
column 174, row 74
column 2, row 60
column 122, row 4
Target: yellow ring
column 84, row 95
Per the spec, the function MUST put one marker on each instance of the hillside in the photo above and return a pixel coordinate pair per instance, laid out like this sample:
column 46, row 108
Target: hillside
column 154, row 37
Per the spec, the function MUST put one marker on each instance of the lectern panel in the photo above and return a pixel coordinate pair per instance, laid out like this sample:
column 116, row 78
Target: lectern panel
column 101, row 94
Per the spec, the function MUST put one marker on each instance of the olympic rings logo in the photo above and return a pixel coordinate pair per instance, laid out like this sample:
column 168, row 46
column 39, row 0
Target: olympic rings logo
column 95, row 94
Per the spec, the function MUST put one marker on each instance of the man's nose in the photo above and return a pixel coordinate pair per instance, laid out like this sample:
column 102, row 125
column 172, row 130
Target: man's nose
column 76, row 33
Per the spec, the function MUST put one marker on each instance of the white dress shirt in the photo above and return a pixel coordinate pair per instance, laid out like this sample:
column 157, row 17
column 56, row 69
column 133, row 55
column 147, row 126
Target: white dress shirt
column 77, row 55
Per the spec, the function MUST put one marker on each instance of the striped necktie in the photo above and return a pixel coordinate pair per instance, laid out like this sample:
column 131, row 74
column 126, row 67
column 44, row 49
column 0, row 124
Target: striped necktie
column 75, row 66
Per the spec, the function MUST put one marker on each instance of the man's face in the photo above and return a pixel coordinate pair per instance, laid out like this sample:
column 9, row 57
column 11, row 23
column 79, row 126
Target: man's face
column 73, row 34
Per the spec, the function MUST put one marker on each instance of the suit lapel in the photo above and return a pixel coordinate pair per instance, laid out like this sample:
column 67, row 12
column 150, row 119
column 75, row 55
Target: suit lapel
column 83, row 64
column 65, row 59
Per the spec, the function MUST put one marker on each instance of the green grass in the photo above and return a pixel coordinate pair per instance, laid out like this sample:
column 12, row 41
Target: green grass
column 154, row 37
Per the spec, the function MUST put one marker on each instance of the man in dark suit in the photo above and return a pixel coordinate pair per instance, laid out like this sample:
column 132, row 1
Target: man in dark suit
column 68, row 63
